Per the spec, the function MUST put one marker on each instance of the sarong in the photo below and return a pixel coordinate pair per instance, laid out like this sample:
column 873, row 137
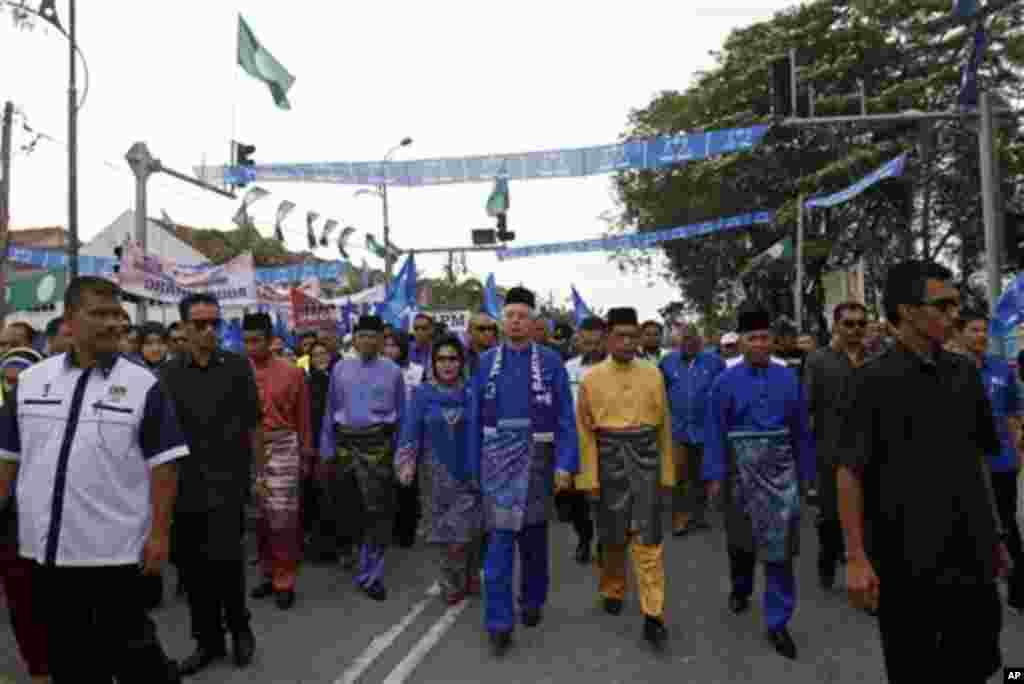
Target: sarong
column 369, row 453
column 517, row 475
column 764, row 495
column 629, row 468
column 280, row 527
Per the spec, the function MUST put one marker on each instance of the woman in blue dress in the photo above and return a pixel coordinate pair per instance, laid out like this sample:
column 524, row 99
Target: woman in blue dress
column 433, row 446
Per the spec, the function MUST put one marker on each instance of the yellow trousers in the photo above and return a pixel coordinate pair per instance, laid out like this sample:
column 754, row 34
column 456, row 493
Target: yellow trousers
column 649, row 566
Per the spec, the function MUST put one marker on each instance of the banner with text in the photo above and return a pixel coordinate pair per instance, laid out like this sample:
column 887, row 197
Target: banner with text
column 309, row 313
column 636, row 240
column 649, row 153
column 104, row 266
column 232, row 283
column 457, row 321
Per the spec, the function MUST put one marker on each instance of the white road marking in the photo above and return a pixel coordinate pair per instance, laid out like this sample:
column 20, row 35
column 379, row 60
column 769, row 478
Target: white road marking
column 412, row 660
column 379, row 644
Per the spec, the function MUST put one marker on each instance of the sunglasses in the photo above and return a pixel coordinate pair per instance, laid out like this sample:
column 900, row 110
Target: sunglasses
column 855, row 324
column 947, row 305
column 204, row 324
column 486, row 328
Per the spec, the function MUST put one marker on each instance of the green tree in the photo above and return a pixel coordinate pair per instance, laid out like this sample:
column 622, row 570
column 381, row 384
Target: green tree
column 893, row 46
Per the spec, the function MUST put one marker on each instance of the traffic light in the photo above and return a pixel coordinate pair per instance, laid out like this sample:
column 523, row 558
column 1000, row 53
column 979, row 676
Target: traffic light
column 118, row 253
column 782, row 87
column 483, row 237
column 503, row 233
column 243, row 158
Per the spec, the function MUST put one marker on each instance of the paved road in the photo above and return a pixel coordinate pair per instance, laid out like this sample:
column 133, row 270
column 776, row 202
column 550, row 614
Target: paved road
column 334, row 632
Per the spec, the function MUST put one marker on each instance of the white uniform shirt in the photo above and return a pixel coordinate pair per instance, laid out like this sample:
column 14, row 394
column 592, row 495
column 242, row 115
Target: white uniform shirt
column 85, row 442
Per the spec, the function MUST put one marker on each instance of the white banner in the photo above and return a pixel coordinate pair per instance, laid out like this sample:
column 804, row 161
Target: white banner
column 163, row 280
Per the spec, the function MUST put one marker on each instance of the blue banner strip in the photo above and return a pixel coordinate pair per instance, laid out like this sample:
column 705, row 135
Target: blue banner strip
column 636, row 240
column 650, row 153
column 890, row 169
column 104, row 266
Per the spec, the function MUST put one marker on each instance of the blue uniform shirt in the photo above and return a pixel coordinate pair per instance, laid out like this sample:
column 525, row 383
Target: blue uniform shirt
column 688, row 383
column 1001, row 386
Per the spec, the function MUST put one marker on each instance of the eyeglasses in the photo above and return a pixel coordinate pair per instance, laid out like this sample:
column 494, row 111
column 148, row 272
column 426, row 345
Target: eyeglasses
column 855, row 324
column 947, row 306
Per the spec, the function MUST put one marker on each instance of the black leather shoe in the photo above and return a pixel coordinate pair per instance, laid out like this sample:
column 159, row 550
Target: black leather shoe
column 500, row 642
column 783, row 643
column 738, row 604
column 655, row 632
column 244, row 648
column 613, row 606
column 827, row 578
column 285, row 599
column 262, row 591
column 532, row 617
column 583, row 552
column 201, row 659
column 376, row 591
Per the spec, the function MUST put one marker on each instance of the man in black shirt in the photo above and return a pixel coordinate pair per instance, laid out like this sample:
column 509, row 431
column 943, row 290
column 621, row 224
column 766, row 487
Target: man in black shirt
column 218, row 403
column 922, row 534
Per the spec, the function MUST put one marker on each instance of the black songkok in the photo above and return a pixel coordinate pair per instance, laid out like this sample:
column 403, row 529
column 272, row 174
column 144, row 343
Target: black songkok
column 622, row 316
column 258, row 322
column 755, row 319
column 369, row 324
column 520, row 295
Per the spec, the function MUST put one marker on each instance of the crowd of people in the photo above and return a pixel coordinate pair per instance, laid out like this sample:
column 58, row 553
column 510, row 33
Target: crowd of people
column 126, row 447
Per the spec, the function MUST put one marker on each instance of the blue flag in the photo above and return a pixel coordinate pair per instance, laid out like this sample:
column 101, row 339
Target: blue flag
column 401, row 298
column 1009, row 309
column 969, row 75
column 281, row 330
column 580, row 307
column 493, row 302
column 231, row 336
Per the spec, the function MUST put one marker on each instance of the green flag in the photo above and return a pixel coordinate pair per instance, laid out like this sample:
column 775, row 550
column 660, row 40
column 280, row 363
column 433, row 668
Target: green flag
column 261, row 65
column 498, row 202
column 38, row 289
column 375, row 248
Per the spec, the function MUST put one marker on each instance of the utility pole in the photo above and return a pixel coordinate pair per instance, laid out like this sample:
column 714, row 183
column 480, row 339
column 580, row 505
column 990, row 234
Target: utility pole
column 72, row 145
column 5, row 196
column 798, row 285
column 990, row 209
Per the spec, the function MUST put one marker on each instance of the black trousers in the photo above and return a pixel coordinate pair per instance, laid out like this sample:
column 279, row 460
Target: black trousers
column 342, row 512
column 939, row 633
column 1005, row 487
column 213, row 560
column 407, row 515
column 99, row 630
column 574, row 508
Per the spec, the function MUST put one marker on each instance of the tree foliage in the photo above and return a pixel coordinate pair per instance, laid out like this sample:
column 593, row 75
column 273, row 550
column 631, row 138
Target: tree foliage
column 933, row 211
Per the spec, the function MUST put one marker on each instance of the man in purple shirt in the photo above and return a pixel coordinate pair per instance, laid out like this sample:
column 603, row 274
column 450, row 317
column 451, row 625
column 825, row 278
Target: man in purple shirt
column 364, row 410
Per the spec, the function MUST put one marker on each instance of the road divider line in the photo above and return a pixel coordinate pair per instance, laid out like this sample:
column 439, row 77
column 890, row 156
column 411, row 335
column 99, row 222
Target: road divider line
column 413, row 659
column 379, row 644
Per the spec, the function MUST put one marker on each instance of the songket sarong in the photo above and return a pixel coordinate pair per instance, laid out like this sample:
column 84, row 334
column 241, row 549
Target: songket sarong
column 369, row 453
column 517, row 475
column 763, row 495
column 629, row 468
column 280, row 528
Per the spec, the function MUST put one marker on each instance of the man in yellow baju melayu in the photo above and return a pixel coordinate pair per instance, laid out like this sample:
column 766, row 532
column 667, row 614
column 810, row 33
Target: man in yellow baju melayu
column 625, row 431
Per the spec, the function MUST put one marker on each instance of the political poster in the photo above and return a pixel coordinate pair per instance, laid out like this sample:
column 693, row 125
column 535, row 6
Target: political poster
column 163, row 280
column 457, row 321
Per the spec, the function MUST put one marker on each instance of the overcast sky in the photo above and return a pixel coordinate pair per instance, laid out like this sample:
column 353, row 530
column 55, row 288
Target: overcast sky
column 460, row 78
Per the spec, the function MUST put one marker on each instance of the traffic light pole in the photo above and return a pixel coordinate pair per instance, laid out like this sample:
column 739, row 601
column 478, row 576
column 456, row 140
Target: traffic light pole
column 143, row 165
column 989, row 189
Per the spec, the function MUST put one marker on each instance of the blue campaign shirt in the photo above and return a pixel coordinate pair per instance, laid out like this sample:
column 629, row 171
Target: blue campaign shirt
column 1001, row 385
column 688, row 381
column 749, row 399
column 362, row 393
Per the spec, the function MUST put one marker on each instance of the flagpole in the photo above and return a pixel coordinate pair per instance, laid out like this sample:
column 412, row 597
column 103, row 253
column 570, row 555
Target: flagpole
column 798, row 285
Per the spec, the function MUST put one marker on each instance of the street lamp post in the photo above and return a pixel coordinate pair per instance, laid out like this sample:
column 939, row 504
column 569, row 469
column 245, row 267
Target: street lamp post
column 388, row 265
